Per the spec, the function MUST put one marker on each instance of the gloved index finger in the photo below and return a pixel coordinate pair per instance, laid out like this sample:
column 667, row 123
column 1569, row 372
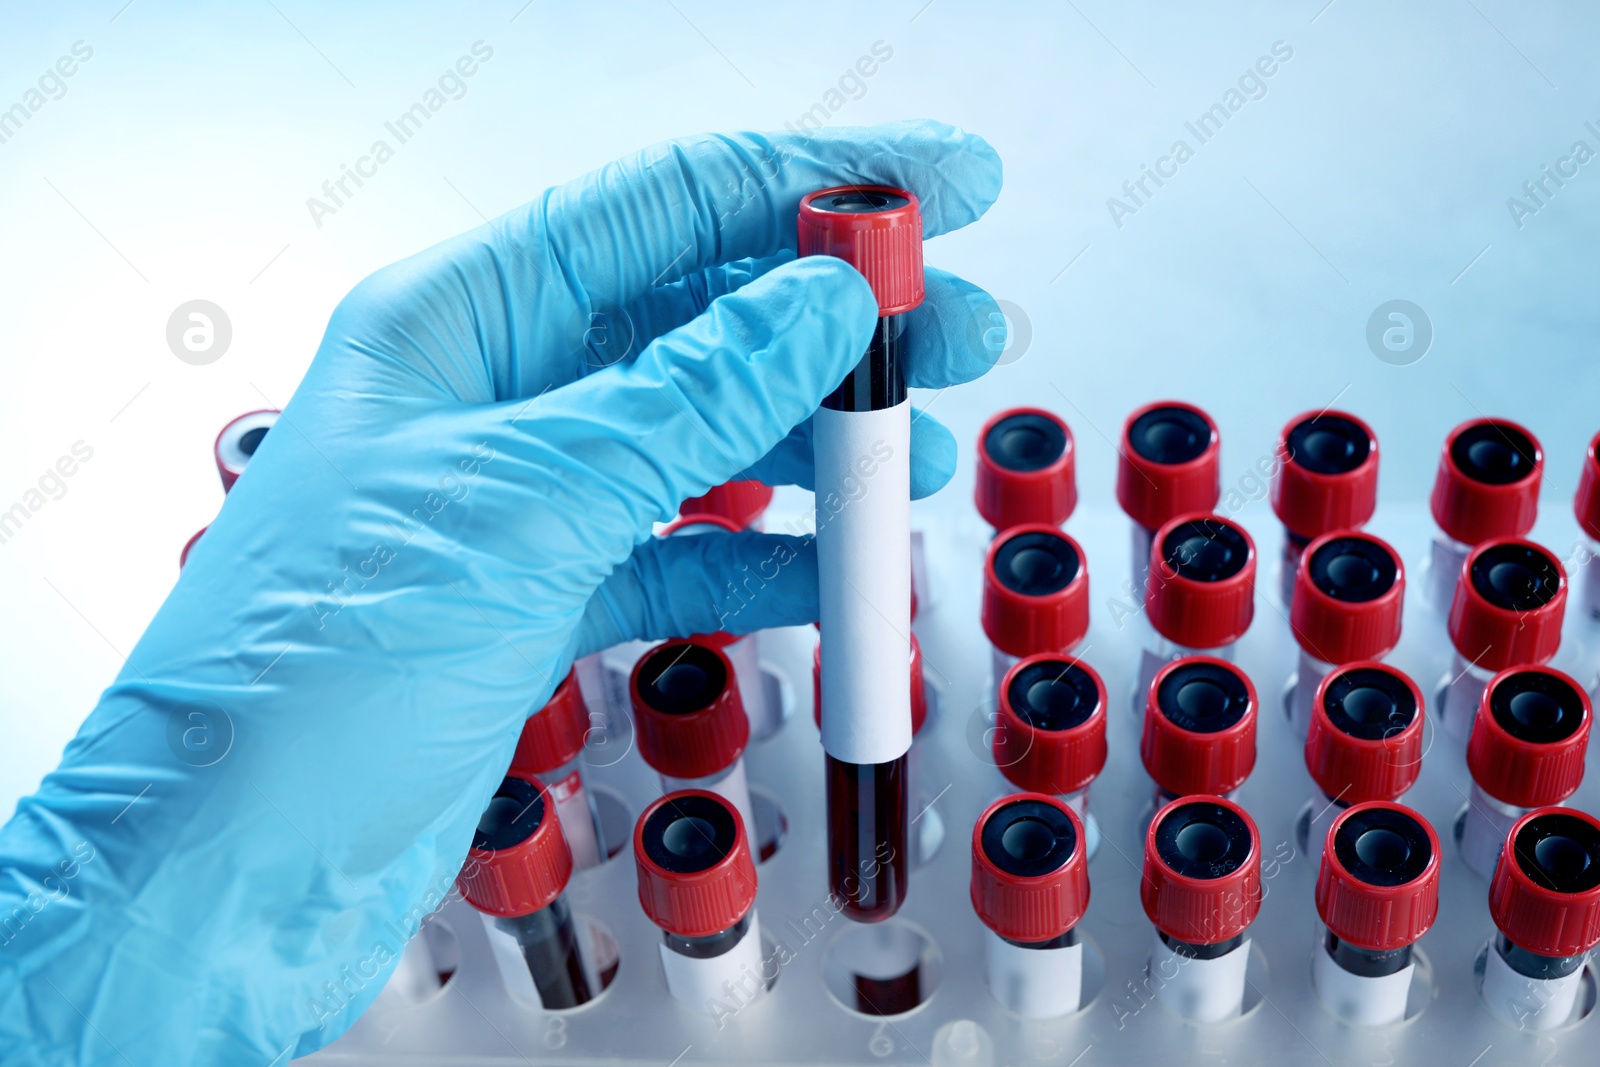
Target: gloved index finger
column 686, row 205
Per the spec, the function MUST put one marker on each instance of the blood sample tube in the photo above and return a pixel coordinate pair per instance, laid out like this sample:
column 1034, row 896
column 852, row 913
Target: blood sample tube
column 690, row 725
column 1526, row 751
column 1587, row 505
column 237, row 444
column 1326, row 479
column 1030, row 888
column 1035, row 595
column 1347, row 606
column 697, row 883
column 515, row 873
column 548, row 750
column 1199, row 729
column 1487, row 487
column 188, row 546
column 1507, row 612
column 765, row 714
column 862, row 433
column 1200, row 595
column 1027, row 469
column 1377, row 894
column 1545, row 900
column 1364, row 742
column 741, row 502
column 1050, row 736
column 1167, row 466
column 1201, row 890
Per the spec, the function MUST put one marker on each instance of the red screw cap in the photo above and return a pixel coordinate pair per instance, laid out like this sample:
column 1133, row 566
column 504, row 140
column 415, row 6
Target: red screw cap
column 1527, row 748
column 1587, row 501
column 1348, row 594
column 1202, row 870
column 1168, row 463
column 553, row 736
column 1030, row 877
column 692, row 855
column 687, row 714
column 919, row 687
column 1027, row 469
column 1199, row 727
column 877, row 229
column 238, row 441
column 1545, row 894
column 1035, row 591
column 1201, row 591
column 1052, row 728
column 188, row 546
column 740, row 502
column 1365, row 738
column 519, row 861
column 1328, row 475
column 1508, row 604
column 1378, row 887
column 1488, row 481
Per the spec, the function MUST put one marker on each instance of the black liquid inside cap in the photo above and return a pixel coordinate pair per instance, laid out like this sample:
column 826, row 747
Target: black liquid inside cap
column 682, row 679
column 1329, row 444
column 1536, row 707
column 1170, row 435
column 1352, row 570
column 1036, row 563
column 861, row 202
column 1369, row 703
column 1205, row 698
column 1203, row 839
column 1027, row 838
column 1053, row 695
column 689, row 834
column 1205, row 550
column 1382, row 847
column 514, row 812
column 1516, row 577
column 1025, row 442
column 1559, row 852
column 250, row 440
column 1493, row 453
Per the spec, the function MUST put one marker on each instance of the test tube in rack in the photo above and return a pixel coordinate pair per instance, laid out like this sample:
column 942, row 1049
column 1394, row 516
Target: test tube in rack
column 1035, row 595
column 1200, row 593
column 1199, row 729
column 1487, row 487
column 1027, row 469
column 1168, row 465
column 1326, row 479
column 549, row 750
column 1050, row 735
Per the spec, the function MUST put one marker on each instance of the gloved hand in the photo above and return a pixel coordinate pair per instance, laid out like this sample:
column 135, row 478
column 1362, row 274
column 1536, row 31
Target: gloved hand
column 457, row 501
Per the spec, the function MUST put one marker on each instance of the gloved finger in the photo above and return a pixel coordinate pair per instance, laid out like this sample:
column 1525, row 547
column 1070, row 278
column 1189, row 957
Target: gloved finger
column 933, row 457
column 679, row 586
column 682, row 206
column 664, row 308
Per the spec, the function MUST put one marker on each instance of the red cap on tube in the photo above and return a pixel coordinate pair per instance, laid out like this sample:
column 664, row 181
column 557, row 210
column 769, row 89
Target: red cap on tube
column 1199, row 727
column 1051, row 737
column 238, row 441
column 188, row 546
column 1202, row 583
column 1035, row 591
column 1545, row 894
column 553, row 736
column 919, row 687
column 519, row 861
column 1027, row 469
column 1327, row 476
column 1532, row 732
column 1348, row 594
column 1508, row 604
column 1378, row 887
column 877, row 229
column 1587, row 501
column 740, row 502
column 1488, row 481
column 692, row 855
column 1202, row 870
column 1365, row 737
column 1030, row 874
column 687, row 714
column 1168, row 463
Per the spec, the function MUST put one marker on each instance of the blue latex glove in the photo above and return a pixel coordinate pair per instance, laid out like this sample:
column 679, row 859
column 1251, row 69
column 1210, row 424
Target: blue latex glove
column 457, row 502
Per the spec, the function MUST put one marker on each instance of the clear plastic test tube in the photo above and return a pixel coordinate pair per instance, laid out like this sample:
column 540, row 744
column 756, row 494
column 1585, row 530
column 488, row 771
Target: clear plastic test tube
column 1487, row 487
column 1527, row 751
column 1050, row 736
column 862, row 439
column 1347, row 606
column 1377, row 894
column 1027, row 469
column 1365, row 741
column 1030, row 889
column 1168, row 465
column 1545, row 901
column 1326, row 479
column 689, row 722
column 549, row 750
column 1199, row 729
column 1201, row 891
column 237, row 443
column 515, row 875
column 1035, row 595
column 1507, row 612
column 1199, row 595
